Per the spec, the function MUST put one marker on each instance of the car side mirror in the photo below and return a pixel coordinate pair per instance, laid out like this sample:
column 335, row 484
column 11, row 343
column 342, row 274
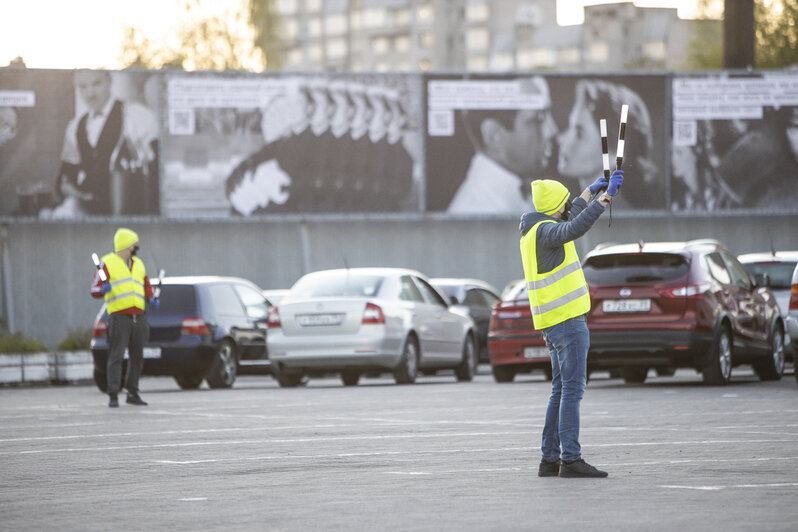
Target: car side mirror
column 762, row 280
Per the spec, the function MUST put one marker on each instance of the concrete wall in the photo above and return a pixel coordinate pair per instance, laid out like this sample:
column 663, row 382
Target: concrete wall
column 47, row 270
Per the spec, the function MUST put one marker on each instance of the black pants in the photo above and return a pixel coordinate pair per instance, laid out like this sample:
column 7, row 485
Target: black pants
column 129, row 332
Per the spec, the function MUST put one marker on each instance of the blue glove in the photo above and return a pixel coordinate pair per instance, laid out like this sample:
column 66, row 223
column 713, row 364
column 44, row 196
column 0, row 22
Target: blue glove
column 616, row 180
column 106, row 287
column 155, row 302
column 600, row 184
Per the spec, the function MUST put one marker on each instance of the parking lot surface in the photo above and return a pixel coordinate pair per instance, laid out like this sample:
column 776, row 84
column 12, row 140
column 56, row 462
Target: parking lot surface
column 437, row 455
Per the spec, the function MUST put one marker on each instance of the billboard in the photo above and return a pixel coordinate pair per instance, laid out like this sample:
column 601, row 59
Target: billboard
column 78, row 143
column 246, row 146
column 489, row 136
column 735, row 142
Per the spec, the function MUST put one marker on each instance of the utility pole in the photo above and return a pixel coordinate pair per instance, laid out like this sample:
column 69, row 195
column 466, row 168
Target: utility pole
column 738, row 34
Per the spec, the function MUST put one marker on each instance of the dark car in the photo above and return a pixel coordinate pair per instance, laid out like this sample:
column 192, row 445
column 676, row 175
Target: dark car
column 514, row 345
column 205, row 328
column 669, row 305
column 477, row 298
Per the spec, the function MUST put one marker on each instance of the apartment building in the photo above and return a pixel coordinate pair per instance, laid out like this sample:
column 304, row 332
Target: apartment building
column 480, row 36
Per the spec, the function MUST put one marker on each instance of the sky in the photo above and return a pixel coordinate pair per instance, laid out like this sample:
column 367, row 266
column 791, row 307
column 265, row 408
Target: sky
column 88, row 33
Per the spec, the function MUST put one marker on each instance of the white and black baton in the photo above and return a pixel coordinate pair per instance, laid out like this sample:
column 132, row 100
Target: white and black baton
column 100, row 270
column 605, row 152
column 157, row 291
column 621, row 136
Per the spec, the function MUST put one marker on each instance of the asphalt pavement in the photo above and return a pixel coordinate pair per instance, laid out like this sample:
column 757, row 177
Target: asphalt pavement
column 437, row 455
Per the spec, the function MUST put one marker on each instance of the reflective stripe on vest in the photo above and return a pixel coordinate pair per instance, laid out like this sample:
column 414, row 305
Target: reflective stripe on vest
column 559, row 294
column 127, row 285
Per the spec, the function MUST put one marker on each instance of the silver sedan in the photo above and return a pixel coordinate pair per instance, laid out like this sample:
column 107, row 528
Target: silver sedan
column 368, row 320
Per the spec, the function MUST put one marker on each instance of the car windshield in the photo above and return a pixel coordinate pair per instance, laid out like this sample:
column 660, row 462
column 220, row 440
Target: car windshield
column 780, row 273
column 344, row 283
column 176, row 299
column 635, row 268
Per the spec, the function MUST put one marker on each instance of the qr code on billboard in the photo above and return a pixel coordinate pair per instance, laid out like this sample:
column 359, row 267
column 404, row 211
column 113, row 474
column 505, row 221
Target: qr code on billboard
column 181, row 122
column 441, row 123
column 685, row 132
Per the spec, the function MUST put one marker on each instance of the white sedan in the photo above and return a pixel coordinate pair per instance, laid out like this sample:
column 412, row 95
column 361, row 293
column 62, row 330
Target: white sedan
column 368, row 320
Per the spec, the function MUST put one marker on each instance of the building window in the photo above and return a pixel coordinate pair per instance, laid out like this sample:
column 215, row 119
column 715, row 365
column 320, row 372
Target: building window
column 538, row 57
column 382, row 66
column 355, row 20
column 401, row 17
column 501, row 62
column 286, row 7
column 477, row 12
column 374, row 18
column 655, row 50
column 477, row 39
column 294, row 57
column 599, row 52
column 335, row 24
column 426, row 39
column 312, row 6
column 313, row 52
column 401, row 43
column 380, row 45
column 314, row 27
column 568, row 56
column 477, row 63
column 425, row 14
column 336, row 48
column 289, row 28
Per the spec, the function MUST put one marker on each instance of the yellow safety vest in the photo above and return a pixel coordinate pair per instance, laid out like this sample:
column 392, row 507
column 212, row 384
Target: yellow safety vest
column 559, row 294
column 127, row 285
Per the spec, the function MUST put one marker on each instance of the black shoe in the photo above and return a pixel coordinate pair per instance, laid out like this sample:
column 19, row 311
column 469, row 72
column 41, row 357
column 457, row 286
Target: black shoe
column 113, row 401
column 549, row 469
column 134, row 399
column 580, row 469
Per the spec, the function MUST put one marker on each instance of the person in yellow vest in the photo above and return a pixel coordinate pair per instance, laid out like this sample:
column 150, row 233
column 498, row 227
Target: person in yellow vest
column 125, row 290
column 560, row 301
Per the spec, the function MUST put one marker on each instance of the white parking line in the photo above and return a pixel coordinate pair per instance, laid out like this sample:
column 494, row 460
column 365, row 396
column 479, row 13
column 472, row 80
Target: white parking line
column 734, row 486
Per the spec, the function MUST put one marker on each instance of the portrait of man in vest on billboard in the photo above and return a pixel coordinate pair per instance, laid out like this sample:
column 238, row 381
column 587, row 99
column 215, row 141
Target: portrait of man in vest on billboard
column 109, row 158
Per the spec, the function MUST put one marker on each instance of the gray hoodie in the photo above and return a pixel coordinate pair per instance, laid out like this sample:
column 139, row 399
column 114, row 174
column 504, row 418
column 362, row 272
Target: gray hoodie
column 552, row 237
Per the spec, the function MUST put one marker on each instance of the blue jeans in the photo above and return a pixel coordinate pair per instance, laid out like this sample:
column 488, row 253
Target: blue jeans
column 568, row 343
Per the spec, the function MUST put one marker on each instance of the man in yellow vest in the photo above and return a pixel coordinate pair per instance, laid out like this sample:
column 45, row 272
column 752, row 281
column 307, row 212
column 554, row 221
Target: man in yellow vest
column 560, row 301
column 125, row 290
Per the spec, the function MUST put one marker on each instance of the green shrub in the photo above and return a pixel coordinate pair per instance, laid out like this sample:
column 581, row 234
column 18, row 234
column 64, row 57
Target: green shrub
column 76, row 340
column 19, row 343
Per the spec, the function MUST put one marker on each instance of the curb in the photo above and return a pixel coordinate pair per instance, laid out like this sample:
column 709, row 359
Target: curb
column 59, row 367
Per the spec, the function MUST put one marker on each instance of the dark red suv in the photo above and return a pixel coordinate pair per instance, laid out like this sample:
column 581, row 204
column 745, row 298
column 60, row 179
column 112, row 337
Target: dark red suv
column 514, row 345
column 669, row 305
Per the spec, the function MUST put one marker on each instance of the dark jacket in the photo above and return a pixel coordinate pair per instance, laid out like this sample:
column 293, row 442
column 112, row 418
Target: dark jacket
column 552, row 237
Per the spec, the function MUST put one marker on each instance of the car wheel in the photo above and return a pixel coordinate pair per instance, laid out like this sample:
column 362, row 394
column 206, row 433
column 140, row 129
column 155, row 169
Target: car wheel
column 407, row 370
column 718, row 370
column 350, row 378
column 465, row 370
column 634, row 375
column 772, row 368
column 223, row 369
column 502, row 374
column 189, row 381
column 101, row 380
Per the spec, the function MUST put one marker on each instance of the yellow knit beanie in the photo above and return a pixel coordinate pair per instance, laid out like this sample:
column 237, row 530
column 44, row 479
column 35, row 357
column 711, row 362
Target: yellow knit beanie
column 548, row 195
column 124, row 238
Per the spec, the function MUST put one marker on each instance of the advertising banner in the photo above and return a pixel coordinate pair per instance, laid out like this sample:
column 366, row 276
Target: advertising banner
column 248, row 146
column 489, row 136
column 75, row 144
column 735, row 142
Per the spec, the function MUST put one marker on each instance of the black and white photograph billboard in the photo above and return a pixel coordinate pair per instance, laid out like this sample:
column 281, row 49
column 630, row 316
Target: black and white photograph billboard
column 247, row 146
column 489, row 136
column 77, row 144
column 735, row 142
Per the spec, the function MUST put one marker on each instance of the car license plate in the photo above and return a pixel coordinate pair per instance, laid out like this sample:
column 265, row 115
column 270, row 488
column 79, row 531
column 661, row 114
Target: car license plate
column 626, row 305
column 148, row 352
column 319, row 320
column 536, row 352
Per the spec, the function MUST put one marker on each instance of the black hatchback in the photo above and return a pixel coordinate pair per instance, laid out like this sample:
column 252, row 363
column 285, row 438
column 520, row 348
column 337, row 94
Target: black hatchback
column 205, row 328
